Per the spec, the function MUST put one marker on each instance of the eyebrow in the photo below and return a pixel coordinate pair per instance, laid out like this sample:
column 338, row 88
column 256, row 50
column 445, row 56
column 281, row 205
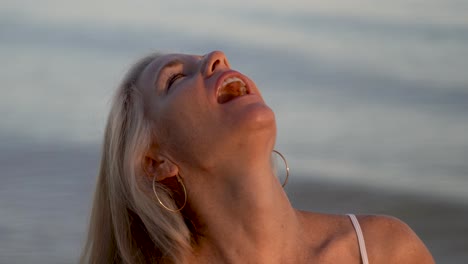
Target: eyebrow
column 169, row 64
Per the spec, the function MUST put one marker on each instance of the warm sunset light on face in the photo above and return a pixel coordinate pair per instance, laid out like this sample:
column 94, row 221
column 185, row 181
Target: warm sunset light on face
column 366, row 99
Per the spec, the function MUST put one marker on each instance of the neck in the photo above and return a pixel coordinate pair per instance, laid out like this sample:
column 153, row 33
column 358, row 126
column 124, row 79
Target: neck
column 241, row 213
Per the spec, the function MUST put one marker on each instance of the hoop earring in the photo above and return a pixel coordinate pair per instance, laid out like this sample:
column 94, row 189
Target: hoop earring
column 287, row 167
column 161, row 203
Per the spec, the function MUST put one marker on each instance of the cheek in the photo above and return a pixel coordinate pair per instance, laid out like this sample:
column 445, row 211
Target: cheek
column 188, row 124
column 183, row 139
column 181, row 127
column 188, row 109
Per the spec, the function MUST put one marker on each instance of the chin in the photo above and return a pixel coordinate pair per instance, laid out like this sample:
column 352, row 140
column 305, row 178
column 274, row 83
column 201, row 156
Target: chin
column 256, row 117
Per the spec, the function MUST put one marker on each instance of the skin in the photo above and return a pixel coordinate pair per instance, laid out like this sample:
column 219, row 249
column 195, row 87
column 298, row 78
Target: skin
column 238, row 208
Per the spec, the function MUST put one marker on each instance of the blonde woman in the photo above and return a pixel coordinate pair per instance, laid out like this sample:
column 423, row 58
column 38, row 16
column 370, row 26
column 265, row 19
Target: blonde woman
column 186, row 177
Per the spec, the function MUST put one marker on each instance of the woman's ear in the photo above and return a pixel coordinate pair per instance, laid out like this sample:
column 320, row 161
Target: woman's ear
column 155, row 165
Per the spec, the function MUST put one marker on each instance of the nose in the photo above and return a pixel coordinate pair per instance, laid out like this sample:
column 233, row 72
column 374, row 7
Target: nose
column 214, row 61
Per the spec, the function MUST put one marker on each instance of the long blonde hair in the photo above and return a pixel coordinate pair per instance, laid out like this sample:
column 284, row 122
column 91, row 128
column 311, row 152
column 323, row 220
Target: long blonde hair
column 127, row 225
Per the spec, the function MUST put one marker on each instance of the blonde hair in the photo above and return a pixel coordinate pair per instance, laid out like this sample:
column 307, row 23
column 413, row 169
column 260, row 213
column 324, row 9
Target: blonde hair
column 127, row 225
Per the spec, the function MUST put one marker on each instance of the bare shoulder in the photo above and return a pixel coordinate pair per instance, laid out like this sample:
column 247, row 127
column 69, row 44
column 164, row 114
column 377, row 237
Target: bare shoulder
column 390, row 240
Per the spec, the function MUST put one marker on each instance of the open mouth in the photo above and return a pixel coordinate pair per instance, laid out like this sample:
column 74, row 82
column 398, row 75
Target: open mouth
column 230, row 89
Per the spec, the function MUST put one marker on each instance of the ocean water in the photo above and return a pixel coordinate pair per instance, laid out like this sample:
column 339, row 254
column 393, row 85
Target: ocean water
column 365, row 92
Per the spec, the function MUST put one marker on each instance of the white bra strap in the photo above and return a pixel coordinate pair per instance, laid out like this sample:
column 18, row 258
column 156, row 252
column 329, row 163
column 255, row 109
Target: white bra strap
column 360, row 236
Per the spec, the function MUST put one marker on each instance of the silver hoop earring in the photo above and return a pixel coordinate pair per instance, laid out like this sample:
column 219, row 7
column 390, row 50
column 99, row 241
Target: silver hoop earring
column 161, row 203
column 287, row 167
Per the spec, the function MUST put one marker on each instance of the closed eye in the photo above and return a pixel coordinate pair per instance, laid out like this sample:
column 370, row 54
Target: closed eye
column 174, row 77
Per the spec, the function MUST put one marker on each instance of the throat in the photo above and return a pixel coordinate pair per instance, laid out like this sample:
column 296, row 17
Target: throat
column 249, row 228
column 266, row 243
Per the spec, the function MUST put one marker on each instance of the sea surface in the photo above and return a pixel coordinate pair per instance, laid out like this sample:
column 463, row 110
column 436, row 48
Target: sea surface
column 370, row 93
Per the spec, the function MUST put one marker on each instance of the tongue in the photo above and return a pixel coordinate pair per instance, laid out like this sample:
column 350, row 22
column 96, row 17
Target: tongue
column 225, row 97
column 229, row 92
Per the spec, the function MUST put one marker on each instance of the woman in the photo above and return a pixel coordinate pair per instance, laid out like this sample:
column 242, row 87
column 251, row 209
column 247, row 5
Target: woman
column 186, row 177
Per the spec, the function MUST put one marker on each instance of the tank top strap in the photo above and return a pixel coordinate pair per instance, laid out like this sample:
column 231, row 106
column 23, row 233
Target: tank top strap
column 360, row 236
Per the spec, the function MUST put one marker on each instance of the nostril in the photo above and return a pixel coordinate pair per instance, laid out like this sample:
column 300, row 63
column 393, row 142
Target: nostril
column 214, row 65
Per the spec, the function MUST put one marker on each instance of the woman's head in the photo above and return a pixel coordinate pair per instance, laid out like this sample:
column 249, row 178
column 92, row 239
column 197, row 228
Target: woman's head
column 202, row 110
column 173, row 114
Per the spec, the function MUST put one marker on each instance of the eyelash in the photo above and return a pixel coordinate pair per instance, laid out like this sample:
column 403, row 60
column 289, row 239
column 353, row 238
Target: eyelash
column 172, row 78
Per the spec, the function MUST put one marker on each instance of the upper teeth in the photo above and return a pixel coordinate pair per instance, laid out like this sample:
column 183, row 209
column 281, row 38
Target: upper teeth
column 242, row 90
column 230, row 89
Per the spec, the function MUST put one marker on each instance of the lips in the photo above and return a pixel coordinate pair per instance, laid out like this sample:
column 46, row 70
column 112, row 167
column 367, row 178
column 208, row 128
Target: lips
column 230, row 87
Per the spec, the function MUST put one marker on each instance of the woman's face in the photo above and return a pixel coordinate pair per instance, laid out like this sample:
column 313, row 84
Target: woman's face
column 202, row 109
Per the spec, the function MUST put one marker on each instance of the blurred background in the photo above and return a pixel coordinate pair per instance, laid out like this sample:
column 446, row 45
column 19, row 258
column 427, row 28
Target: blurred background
column 371, row 100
